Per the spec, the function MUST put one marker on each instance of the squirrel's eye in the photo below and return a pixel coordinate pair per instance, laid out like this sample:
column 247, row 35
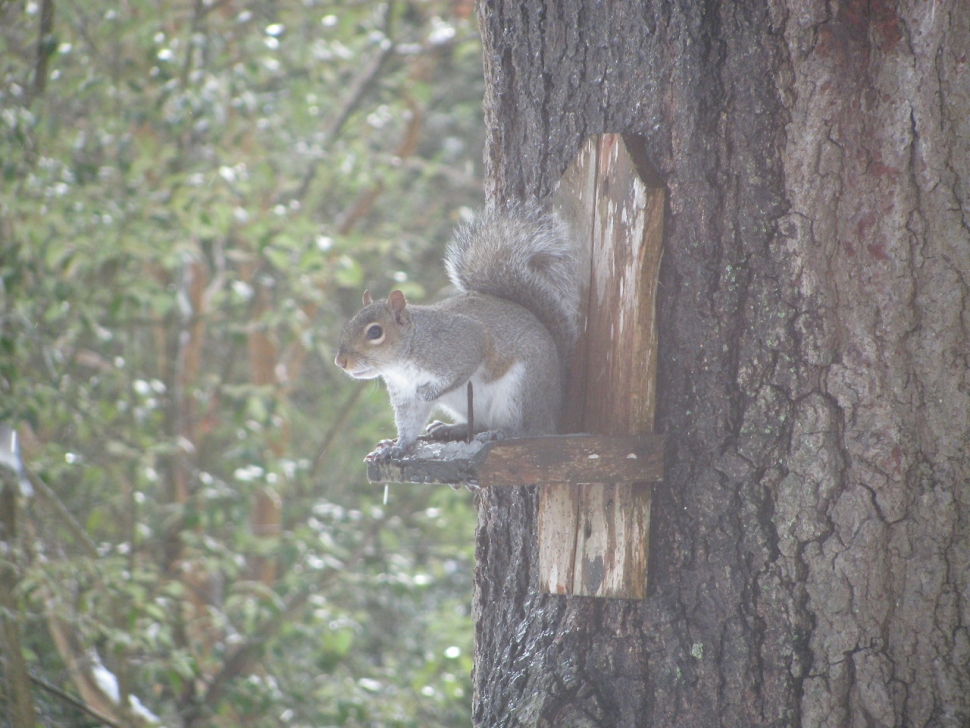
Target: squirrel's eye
column 374, row 333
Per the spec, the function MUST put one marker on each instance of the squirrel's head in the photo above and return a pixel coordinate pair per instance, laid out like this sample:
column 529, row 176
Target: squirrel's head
column 371, row 340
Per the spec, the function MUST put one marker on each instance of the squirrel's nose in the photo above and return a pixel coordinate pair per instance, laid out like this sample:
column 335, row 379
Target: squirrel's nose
column 341, row 361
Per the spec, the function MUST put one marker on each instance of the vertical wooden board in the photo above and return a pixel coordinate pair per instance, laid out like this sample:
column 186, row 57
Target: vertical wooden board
column 612, row 541
column 621, row 366
column 612, row 384
column 558, row 523
column 620, row 321
column 575, row 201
column 596, row 540
column 645, row 396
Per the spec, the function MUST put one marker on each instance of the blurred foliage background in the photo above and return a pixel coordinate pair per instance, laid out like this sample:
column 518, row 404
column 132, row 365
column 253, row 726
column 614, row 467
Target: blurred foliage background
column 193, row 195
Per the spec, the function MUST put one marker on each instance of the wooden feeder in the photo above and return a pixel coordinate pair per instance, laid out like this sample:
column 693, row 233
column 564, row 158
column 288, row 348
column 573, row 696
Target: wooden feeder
column 594, row 505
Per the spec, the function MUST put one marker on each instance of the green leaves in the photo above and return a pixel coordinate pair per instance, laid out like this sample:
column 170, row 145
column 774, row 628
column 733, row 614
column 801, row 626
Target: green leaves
column 187, row 216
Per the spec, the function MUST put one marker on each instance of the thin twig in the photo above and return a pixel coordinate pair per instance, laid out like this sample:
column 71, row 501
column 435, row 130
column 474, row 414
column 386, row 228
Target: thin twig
column 359, row 208
column 81, row 26
column 44, row 40
column 68, row 698
column 61, row 510
column 336, row 428
column 240, row 660
column 358, row 88
column 198, row 13
column 361, row 84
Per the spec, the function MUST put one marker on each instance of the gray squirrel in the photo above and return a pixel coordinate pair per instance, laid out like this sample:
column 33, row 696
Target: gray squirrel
column 510, row 331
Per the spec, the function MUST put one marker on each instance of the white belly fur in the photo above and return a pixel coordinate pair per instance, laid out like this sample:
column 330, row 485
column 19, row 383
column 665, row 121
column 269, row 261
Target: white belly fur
column 496, row 403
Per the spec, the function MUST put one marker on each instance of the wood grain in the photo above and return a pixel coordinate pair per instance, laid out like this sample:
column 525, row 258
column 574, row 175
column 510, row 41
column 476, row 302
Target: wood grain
column 612, row 387
column 527, row 461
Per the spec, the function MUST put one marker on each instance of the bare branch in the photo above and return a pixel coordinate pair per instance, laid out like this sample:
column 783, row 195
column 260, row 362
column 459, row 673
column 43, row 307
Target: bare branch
column 336, row 428
column 243, row 657
column 17, row 687
column 75, row 702
column 361, row 84
column 44, row 40
column 58, row 505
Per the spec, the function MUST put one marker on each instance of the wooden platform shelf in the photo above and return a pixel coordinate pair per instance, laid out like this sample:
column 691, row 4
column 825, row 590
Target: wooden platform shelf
column 528, row 461
column 593, row 523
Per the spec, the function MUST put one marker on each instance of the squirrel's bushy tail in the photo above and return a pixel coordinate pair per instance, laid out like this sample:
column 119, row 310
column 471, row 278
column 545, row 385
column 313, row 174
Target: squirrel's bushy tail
column 523, row 254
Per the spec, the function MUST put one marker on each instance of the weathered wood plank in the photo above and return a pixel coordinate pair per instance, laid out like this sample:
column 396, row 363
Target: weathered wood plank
column 450, row 463
column 612, row 390
column 575, row 201
column 612, row 543
column 558, row 524
column 622, row 342
column 527, row 461
column 572, row 459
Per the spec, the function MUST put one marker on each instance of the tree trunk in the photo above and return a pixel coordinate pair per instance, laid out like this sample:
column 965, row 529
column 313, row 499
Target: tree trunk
column 810, row 557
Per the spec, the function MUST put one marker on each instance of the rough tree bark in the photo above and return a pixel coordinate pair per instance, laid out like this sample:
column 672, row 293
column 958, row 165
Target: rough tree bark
column 811, row 544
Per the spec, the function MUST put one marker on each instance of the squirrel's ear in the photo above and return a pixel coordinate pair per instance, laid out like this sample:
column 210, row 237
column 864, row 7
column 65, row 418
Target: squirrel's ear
column 398, row 305
column 367, row 299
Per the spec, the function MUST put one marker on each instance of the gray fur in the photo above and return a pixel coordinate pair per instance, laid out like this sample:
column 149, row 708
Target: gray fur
column 522, row 254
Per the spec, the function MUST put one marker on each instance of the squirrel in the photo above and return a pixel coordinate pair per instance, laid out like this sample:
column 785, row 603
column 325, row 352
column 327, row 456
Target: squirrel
column 510, row 331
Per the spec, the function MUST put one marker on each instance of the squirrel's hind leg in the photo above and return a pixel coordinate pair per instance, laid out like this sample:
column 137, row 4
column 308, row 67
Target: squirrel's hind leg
column 492, row 435
column 439, row 430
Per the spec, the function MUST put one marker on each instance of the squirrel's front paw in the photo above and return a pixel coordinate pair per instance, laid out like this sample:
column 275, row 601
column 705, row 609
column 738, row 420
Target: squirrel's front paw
column 398, row 452
column 385, row 450
column 439, row 430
